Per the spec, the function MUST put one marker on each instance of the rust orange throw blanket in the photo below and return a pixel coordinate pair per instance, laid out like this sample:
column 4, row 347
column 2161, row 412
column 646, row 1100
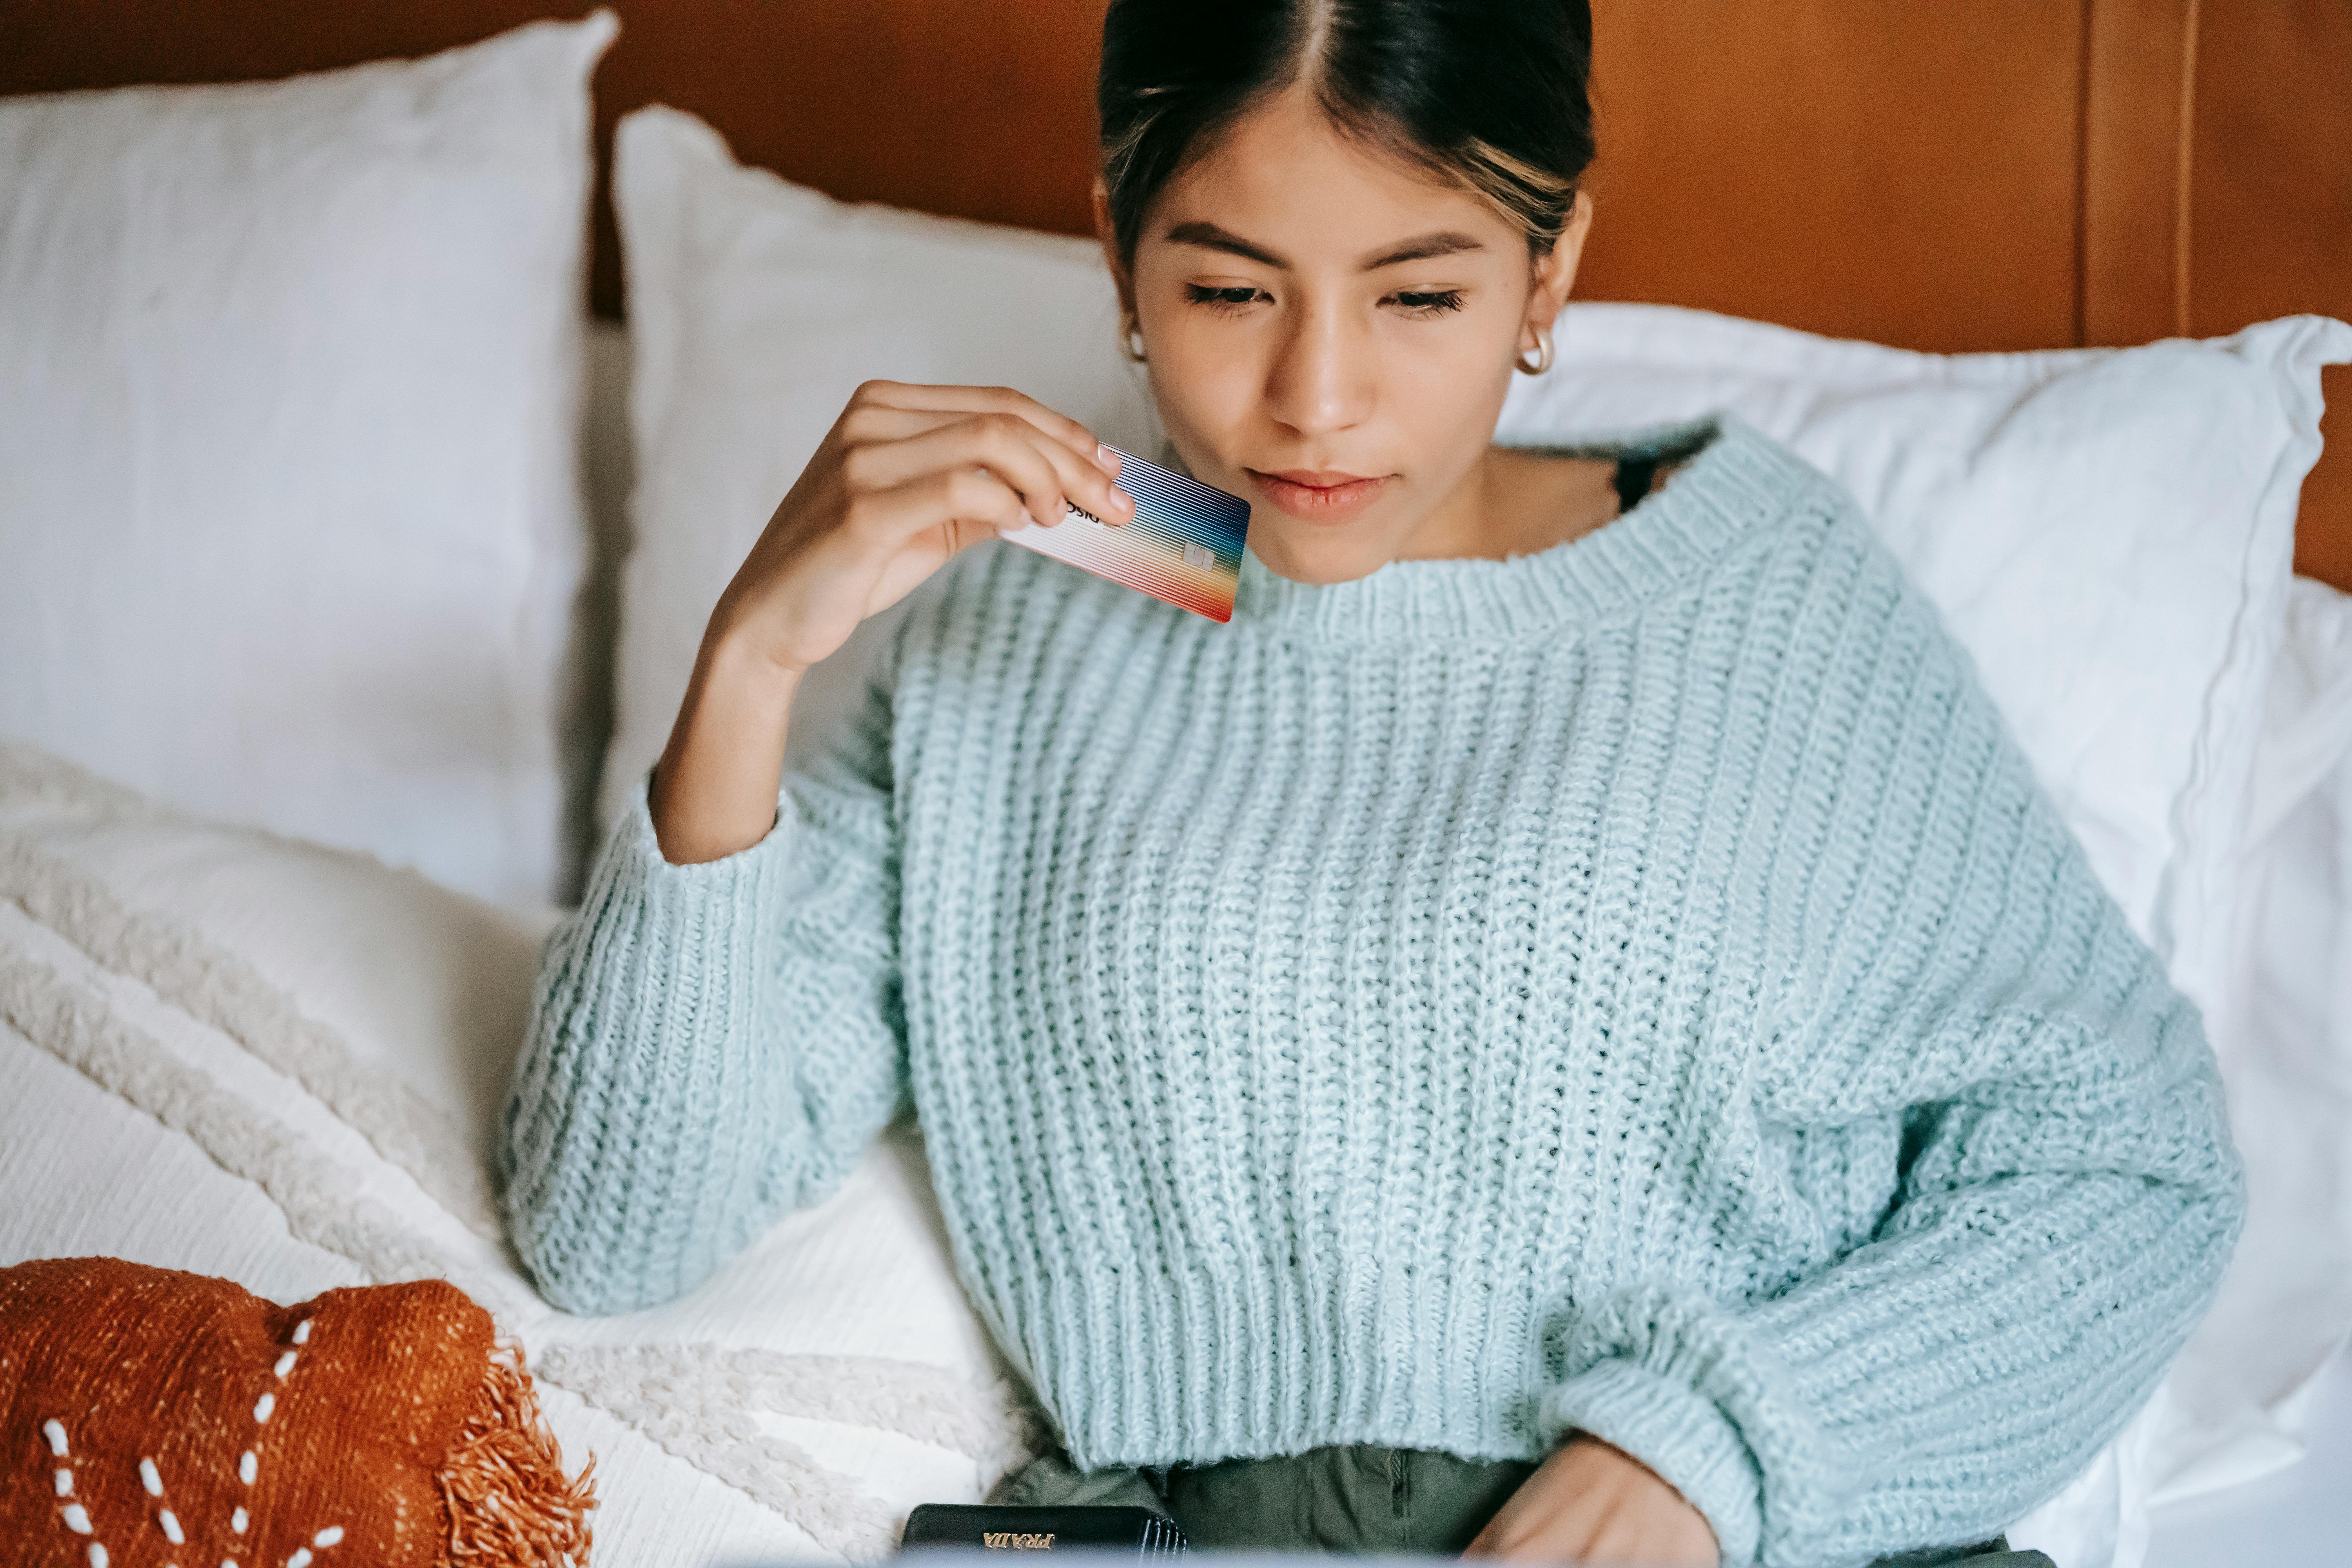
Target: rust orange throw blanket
column 154, row 1417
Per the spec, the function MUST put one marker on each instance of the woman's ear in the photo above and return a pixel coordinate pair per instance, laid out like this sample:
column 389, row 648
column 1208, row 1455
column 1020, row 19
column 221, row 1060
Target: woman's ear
column 1556, row 272
column 1109, row 238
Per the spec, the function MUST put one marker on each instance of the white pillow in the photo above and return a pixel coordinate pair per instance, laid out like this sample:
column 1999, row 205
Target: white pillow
column 267, row 1060
column 2108, row 533
column 289, row 384
column 2241, row 1382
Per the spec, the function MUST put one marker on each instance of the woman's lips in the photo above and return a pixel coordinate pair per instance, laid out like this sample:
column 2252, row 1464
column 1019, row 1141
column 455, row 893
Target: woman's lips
column 1317, row 495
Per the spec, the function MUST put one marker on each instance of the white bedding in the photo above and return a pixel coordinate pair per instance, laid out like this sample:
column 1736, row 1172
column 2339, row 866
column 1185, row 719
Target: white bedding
column 2300, row 1517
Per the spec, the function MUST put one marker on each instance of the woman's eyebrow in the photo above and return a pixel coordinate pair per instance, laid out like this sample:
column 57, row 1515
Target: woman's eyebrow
column 1208, row 237
column 1420, row 248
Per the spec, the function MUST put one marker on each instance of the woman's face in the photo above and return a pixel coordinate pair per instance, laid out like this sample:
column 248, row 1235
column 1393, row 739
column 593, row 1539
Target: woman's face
column 1329, row 334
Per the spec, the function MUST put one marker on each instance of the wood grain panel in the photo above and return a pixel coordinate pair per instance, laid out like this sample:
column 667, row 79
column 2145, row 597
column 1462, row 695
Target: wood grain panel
column 2138, row 85
column 2273, row 211
column 1904, row 173
column 46, row 44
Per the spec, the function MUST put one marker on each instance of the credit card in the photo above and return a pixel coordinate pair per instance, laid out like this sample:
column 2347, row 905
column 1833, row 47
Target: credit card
column 1183, row 546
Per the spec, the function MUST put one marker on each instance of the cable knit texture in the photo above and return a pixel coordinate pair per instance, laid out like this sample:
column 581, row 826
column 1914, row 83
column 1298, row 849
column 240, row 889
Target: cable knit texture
column 1635, row 988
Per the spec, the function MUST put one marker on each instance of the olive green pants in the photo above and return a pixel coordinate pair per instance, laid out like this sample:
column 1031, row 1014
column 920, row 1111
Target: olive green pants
column 1361, row 1498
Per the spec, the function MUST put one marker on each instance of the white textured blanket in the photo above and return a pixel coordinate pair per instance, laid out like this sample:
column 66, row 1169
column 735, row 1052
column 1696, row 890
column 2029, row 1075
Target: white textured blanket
column 249, row 1057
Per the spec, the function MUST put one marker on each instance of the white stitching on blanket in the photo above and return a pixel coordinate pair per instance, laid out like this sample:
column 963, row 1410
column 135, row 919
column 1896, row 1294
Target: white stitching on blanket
column 321, row 1199
column 994, row 1426
column 220, row 988
column 727, row 1443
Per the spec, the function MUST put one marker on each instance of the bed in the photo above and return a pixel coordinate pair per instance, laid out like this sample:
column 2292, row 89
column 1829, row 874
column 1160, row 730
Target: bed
column 264, row 1036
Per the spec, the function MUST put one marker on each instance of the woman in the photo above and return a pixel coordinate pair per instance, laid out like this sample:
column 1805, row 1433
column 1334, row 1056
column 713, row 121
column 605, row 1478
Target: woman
column 1566, row 1029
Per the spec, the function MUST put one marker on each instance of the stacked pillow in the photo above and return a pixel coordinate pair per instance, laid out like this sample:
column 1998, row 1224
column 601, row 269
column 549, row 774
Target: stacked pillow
column 289, row 390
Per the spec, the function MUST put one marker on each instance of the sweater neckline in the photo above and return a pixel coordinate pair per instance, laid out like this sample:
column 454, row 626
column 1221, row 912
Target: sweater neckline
column 1735, row 480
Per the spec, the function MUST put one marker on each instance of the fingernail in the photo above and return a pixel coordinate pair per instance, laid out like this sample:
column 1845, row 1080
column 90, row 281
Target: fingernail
column 1108, row 458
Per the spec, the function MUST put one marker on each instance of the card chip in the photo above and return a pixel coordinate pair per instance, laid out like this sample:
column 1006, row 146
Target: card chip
column 1199, row 556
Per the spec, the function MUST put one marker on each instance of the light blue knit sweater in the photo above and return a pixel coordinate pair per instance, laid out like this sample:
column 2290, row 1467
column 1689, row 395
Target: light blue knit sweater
column 1635, row 987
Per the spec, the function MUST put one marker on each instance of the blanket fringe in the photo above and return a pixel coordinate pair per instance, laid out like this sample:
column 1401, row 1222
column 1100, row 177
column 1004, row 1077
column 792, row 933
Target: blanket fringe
column 508, row 1501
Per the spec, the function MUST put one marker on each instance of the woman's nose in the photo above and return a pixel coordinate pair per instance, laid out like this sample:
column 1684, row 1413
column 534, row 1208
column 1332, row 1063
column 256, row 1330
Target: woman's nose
column 1322, row 378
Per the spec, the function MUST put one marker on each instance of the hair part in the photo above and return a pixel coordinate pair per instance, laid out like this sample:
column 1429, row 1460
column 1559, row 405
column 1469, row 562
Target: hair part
column 1490, row 96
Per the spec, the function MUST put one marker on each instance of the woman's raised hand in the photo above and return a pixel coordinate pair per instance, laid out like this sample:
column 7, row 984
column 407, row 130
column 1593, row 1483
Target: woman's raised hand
column 908, row 476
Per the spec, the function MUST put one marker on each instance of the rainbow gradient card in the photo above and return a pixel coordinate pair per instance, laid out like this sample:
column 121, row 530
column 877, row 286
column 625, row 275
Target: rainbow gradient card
column 1184, row 544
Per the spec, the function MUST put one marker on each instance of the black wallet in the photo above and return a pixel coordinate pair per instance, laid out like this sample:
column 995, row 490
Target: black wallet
column 998, row 1529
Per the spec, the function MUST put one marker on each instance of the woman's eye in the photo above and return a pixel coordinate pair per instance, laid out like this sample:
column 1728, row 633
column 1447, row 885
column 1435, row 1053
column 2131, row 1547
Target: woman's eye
column 1220, row 299
column 1416, row 302
column 1429, row 302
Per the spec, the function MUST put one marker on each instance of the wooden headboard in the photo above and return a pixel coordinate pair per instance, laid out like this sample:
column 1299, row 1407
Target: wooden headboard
column 1997, row 174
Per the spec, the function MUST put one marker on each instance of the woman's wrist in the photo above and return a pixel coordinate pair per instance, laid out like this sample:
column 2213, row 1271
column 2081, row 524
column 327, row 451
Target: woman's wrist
column 714, row 791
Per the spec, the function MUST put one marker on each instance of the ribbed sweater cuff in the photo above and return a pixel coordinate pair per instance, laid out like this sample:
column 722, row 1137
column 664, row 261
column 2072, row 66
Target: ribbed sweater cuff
column 1682, row 1436
column 621, row 1118
column 643, row 862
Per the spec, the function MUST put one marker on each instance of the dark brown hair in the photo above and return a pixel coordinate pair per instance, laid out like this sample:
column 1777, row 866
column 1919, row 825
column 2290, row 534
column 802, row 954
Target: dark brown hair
column 1491, row 95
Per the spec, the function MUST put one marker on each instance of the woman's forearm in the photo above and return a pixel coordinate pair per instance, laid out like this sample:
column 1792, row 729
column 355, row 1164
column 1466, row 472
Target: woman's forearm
column 714, row 790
